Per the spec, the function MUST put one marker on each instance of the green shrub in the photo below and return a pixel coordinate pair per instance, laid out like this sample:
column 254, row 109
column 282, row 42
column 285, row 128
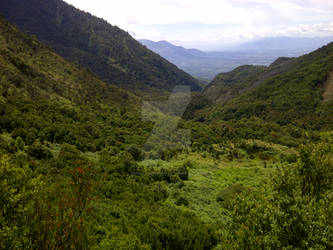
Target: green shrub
column 19, row 143
column 181, row 201
column 39, row 151
column 135, row 152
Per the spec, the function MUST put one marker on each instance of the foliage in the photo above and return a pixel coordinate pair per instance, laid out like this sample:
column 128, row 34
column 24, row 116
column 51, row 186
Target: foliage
column 19, row 192
column 294, row 212
column 293, row 96
column 39, row 151
column 91, row 42
column 73, row 173
column 36, row 213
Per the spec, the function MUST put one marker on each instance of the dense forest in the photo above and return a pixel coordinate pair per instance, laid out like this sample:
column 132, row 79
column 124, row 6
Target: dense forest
column 76, row 171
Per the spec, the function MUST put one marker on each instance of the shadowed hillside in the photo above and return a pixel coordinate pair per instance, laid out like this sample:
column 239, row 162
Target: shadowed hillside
column 106, row 50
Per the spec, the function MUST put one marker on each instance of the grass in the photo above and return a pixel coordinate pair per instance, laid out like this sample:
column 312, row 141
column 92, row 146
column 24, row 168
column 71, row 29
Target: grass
column 209, row 179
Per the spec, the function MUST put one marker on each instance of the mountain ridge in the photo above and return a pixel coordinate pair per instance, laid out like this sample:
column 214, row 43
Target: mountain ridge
column 244, row 78
column 91, row 42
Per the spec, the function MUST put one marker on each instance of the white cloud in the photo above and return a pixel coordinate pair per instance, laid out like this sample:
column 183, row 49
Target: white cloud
column 214, row 21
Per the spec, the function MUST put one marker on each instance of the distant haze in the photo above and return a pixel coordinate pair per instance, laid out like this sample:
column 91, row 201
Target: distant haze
column 285, row 43
column 215, row 24
column 206, row 65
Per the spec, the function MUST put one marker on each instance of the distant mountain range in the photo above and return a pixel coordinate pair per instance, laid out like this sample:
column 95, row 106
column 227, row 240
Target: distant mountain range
column 206, row 65
column 297, row 44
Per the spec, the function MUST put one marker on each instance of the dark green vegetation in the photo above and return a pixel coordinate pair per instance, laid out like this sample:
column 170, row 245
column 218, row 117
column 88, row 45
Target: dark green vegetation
column 106, row 50
column 69, row 147
column 293, row 96
column 73, row 173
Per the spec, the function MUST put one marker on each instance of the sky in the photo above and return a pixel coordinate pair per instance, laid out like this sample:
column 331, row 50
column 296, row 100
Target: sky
column 214, row 24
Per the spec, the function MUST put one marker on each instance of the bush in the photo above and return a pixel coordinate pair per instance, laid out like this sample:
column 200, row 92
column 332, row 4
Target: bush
column 181, row 201
column 68, row 155
column 135, row 152
column 3, row 145
column 18, row 193
column 19, row 143
column 39, row 151
column 226, row 196
column 174, row 179
column 183, row 173
column 291, row 158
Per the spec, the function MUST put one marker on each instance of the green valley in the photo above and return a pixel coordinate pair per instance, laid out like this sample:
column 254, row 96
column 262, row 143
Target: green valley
column 77, row 168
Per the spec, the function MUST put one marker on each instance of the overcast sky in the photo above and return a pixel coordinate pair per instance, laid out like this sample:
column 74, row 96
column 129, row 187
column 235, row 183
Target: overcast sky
column 214, row 24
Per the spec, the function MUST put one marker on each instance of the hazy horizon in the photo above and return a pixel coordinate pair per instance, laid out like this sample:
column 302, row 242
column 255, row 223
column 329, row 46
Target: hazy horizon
column 215, row 24
column 247, row 42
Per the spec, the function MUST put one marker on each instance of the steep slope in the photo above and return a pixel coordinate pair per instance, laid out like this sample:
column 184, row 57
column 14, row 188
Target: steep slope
column 106, row 50
column 328, row 94
column 29, row 65
column 291, row 91
column 226, row 86
column 68, row 150
column 44, row 97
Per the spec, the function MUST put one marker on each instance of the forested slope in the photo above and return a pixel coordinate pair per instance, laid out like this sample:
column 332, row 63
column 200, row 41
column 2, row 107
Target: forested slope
column 69, row 147
column 291, row 95
column 225, row 86
column 106, row 50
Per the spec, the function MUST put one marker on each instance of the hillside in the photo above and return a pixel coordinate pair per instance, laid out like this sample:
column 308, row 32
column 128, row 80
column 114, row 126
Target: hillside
column 91, row 42
column 69, row 147
column 45, row 97
column 226, row 86
column 328, row 94
column 289, row 91
column 81, row 166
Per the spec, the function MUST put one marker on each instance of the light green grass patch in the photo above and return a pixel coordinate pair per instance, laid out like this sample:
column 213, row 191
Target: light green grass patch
column 208, row 178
